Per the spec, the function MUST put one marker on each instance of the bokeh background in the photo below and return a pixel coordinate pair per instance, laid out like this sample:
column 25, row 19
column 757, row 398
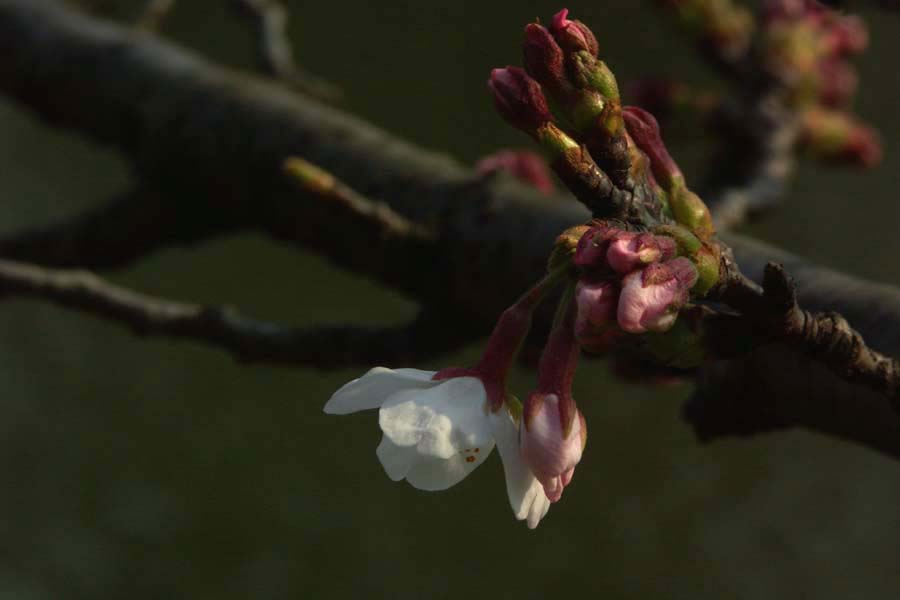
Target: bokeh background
column 148, row 469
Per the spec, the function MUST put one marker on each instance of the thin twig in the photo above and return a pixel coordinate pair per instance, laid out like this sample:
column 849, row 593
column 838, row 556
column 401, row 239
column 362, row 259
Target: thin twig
column 275, row 51
column 249, row 340
column 767, row 141
column 217, row 143
column 327, row 187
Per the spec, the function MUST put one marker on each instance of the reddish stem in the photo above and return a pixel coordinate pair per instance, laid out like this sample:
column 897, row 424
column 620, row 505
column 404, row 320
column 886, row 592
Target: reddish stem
column 559, row 360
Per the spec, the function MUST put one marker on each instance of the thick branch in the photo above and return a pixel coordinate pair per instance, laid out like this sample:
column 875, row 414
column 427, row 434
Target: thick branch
column 247, row 339
column 777, row 387
column 824, row 336
column 217, row 141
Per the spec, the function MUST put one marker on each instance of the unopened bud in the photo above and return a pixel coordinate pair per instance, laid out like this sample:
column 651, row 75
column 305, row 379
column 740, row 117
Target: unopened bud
column 544, row 60
column 570, row 238
column 634, row 251
column 549, row 450
column 519, row 98
column 780, row 10
column 731, row 30
column 837, row 135
column 838, row 82
column 555, row 141
column 592, row 247
column 588, row 110
column 691, row 211
column 596, row 303
column 864, row 147
column 566, row 246
column 573, row 35
column 848, row 35
column 651, row 298
column 644, row 130
column 592, row 73
column 707, row 262
column 687, row 242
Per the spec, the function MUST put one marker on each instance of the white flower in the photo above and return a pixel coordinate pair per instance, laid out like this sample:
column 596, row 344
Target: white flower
column 437, row 432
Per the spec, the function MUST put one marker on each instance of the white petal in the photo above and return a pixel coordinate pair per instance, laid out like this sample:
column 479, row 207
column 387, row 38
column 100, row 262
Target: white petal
column 526, row 494
column 538, row 509
column 376, row 386
column 440, row 421
column 396, row 460
column 434, row 474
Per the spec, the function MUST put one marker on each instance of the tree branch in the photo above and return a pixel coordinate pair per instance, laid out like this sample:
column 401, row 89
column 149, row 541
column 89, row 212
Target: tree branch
column 826, row 336
column 766, row 136
column 249, row 340
column 217, row 141
column 776, row 387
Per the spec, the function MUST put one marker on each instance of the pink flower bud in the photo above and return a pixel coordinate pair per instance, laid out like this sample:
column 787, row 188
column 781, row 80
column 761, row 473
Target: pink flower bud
column 522, row 164
column 644, row 130
column 544, row 58
column 573, row 35
column 591, row 248
column 863, row 147
column 838, row 82
column 848, row 35
column 839, row 136
column 596, row 303
column 651, row 298
column 784, row 10
column 549, row 453
column 629, row 252
column 519, row 98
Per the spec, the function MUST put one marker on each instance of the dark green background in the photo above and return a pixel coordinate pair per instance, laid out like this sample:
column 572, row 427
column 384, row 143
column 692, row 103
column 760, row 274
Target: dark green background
column 150, row 469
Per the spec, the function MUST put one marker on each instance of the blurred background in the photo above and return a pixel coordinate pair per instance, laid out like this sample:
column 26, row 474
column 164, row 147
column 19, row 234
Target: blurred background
column 147, row 469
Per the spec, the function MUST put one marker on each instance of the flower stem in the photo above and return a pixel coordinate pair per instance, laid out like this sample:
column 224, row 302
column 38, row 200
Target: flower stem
column 510, row 332
column 560, row 359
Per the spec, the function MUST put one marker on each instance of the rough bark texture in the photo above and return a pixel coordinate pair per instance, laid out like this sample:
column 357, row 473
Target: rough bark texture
column 213, row 143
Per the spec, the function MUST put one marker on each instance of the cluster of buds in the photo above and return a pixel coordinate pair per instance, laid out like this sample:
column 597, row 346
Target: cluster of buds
column 723, row 24
column 628, row 275
column 631, row 282
column 807, row 47
column 561, row 62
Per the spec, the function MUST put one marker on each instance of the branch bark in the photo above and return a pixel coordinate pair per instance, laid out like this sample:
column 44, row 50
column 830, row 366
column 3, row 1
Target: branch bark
column 216, row 141
column 249, row 340
column 764, row 136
